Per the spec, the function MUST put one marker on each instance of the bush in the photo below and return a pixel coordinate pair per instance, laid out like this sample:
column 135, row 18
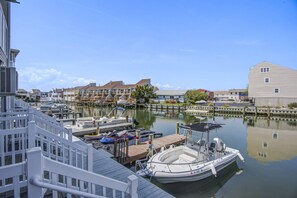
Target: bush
column 226, row 106
column 167, row 101
column 210, row 104
column 292, row 105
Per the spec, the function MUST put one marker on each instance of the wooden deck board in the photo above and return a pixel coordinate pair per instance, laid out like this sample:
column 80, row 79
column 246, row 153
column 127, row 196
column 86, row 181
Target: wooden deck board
column 136, row 152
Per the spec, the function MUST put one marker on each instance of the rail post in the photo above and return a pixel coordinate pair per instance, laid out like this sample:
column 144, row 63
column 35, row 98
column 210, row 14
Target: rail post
column 133, row 185
column 137, row 137
column 34, row 168
column 177, row 128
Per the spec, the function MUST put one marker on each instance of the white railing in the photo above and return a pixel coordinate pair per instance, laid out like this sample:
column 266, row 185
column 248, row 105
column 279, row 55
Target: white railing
column 42, row 174
column 58, row 177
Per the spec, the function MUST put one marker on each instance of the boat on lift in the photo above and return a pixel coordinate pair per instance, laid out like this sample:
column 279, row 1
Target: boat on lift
column 193, row 161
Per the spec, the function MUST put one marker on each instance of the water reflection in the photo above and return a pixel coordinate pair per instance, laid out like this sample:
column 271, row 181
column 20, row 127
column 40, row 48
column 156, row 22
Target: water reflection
column 205, row 188
column 269, row 141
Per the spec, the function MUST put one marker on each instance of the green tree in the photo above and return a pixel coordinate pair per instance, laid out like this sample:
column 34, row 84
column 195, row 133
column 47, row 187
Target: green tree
column 143, row 93
column 192, row 96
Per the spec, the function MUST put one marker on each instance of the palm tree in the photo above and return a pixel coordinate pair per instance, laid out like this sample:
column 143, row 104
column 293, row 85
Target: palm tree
column 143, row 94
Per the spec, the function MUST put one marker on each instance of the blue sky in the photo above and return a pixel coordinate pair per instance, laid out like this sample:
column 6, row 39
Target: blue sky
column 179, row 44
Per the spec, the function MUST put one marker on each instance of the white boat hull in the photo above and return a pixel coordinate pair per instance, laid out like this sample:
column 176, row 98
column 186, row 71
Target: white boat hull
column 191, row 176
column 182, row 171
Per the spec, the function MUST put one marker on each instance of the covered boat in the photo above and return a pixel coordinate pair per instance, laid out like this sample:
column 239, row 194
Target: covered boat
column 194, row 160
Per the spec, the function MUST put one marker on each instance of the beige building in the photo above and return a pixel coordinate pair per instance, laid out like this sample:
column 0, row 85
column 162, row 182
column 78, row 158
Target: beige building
column 272, row 85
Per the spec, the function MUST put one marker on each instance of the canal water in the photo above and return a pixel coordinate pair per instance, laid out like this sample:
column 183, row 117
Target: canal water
column 268, row 147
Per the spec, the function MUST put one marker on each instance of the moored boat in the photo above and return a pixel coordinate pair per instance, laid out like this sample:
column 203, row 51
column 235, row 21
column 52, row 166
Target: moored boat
column 192, row 161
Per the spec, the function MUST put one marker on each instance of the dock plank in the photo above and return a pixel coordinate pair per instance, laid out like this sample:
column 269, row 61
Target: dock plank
column 136, row 152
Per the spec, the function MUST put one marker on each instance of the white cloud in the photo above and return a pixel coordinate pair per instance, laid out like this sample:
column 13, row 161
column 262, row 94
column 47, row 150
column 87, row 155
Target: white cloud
column 46, row 79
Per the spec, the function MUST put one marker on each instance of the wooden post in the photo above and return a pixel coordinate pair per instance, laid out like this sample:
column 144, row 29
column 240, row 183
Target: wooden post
column 137, row 137
column 34, row 168
column 150, row 148
column 177, row 128
column 115, row 149
column 133, row 185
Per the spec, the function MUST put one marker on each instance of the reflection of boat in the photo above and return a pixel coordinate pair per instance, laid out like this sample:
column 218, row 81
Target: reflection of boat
column 194, row 162
column 200, row 118
column 208, row 187
column 116, row 136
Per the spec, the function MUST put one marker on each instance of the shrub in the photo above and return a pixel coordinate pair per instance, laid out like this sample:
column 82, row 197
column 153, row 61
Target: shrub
column 210, row 104
column 292, row 105
column 226, row 106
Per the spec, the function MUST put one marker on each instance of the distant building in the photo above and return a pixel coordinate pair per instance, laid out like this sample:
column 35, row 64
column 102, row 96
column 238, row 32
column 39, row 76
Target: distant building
column 272, row 85
column 169, row 95
column 35, row 94
column 23, row 94
column 110, row 92
column 210, row 94
column 236, row 95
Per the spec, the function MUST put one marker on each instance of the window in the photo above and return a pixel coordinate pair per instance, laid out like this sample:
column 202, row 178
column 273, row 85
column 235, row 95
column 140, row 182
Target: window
column 266, row 80
column 265, row 69
column 276, row 90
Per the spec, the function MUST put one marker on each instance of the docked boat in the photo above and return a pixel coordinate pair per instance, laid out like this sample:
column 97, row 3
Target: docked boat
column 110, row 139
column 88, row 122
column 193, row 161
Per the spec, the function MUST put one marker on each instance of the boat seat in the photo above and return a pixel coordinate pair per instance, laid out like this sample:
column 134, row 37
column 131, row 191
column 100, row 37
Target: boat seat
column 186, row 158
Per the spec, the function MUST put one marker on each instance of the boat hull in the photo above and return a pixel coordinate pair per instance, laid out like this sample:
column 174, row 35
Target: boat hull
column 191, row 176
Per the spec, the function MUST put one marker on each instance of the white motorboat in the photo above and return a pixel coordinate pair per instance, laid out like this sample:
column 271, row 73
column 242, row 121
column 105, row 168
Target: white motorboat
column 89, row 122
column 191, row 162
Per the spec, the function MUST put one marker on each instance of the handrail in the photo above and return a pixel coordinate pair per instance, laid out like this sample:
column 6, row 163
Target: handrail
column 37, row 181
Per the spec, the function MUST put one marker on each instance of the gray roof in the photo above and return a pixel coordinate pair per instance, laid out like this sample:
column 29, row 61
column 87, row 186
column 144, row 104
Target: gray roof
column 171, row 92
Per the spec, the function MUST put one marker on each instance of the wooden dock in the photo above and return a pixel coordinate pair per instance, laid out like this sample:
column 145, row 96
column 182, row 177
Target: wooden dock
column 76, row 131
column 136, row 152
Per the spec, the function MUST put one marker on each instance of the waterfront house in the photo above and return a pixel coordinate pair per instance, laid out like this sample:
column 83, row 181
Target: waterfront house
column 236, row 95
column 272, row 85
column 170, row 95
column 210, row 94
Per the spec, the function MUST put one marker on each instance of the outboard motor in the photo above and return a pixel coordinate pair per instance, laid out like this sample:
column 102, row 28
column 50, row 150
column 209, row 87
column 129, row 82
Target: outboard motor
column 217, row 145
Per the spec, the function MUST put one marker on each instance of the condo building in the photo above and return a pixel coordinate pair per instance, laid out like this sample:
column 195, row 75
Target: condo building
column 272, row 85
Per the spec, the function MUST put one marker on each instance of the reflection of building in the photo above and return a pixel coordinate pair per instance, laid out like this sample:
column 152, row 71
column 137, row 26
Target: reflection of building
column 272, row 85
column 271, row 142
column 170, row 95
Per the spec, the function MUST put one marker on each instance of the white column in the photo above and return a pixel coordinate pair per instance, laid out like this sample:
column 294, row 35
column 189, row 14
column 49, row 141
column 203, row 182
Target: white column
column 31, row 134
column 34, row 168
column 133, row 185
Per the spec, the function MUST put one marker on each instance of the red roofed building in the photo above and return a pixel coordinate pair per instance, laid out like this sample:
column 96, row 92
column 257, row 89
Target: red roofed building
column 209, row 93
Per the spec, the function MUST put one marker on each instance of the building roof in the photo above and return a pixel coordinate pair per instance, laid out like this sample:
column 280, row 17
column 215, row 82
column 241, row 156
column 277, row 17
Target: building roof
column 21, row 91
column 203, row 90
column 237, row 90
column 144, row 82
column 221, row 92
column 171, row 92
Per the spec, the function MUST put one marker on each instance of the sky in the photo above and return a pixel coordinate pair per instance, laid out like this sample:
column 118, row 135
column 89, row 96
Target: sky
column 178, row 44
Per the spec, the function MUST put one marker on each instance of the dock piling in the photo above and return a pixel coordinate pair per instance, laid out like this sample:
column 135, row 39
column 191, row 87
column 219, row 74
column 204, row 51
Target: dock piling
column 177, row 128
column 137, row 137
